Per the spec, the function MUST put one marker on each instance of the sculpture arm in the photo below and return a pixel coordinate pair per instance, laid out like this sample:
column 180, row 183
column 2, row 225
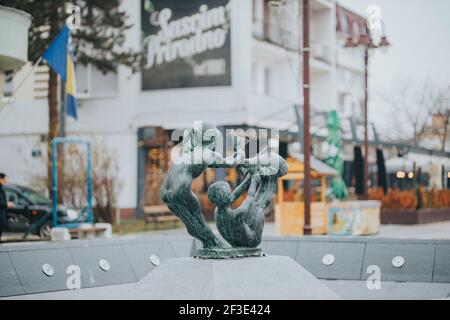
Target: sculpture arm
column 229, row 162
column 188, row 143
column 253, row 186
column 240, row 189
column 246, row 208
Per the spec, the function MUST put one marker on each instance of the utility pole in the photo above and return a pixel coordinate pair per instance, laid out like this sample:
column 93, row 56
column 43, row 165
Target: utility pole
column 306, row 117
column 366, row 123
column 366, row 43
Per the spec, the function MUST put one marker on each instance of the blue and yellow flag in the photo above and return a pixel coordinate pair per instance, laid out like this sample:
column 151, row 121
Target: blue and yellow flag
column 60, row 58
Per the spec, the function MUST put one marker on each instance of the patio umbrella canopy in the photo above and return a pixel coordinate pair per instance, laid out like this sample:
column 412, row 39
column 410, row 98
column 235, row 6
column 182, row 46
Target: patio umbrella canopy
column 358, row 171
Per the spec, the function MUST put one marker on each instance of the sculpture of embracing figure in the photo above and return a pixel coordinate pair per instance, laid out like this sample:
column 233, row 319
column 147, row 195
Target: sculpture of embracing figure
column 243, row 226
column 240, row 227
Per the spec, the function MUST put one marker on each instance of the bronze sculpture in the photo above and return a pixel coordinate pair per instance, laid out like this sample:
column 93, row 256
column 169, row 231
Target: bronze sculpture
column 241, row 227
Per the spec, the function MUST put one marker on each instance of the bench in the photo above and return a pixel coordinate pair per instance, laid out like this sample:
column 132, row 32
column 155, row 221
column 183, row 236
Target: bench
column 87, row 232
column 159, row 213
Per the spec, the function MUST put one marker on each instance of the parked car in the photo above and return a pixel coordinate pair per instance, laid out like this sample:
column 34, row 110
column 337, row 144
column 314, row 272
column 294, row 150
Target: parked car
column 32, row 212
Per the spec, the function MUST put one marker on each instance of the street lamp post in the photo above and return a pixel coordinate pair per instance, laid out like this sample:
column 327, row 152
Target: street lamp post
column 366, row 122
column 366, row 43
column 305, row 55
column 306, row 118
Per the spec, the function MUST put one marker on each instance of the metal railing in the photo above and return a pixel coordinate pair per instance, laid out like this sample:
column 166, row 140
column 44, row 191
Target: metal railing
column 321, row 51
column 288, row 39
column 275, row 34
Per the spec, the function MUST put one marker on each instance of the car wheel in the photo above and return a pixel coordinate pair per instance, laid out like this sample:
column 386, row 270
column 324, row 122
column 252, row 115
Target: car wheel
column 45, row 230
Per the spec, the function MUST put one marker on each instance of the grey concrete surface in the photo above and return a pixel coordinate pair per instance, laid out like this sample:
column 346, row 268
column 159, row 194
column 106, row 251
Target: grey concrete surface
column 389, row 290
column 439, row 230
column 418, row 261
column 425, row 274
column 442, row 264
column 271, row 277
column 348, row 257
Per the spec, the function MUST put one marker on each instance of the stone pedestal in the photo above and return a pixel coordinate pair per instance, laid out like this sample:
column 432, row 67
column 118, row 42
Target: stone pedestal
column 258, row 278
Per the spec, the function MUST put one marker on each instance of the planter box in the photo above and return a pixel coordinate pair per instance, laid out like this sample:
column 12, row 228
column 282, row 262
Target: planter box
column 290, row 218
column 413, row 216
column 354, row 218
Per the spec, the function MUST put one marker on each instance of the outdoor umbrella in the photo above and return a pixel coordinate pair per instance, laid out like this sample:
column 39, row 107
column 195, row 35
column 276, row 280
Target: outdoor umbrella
column 381, row 170
column 419, row 176
column 358, row 166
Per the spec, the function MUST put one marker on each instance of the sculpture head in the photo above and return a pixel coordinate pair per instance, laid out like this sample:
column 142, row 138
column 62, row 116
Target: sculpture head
column 203, row 134
column 219, row 193
column 209, row 135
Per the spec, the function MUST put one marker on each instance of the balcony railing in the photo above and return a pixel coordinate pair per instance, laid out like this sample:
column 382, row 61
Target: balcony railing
column 275, row 34
column 288, row 39
column 321, row 51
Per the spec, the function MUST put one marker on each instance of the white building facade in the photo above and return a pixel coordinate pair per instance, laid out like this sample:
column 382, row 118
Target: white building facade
column 239, row 66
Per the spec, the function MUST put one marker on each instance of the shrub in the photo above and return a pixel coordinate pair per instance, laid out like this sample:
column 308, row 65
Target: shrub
column 105, row 182
column 412, row 199
column 396, row 199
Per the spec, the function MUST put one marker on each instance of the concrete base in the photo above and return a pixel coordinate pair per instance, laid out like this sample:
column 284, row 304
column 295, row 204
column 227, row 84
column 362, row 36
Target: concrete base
column 259, row 278
column 229, row 253
column 107, row 233
column 85, row 231
column 60, row 234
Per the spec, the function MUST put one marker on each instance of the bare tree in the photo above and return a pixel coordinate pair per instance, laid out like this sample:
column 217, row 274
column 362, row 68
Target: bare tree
column 441, row 113
column 412, row 106
column 105, row 181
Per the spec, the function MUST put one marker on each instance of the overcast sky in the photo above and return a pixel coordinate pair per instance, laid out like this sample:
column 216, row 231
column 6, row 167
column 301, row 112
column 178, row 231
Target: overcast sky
column 419, row 31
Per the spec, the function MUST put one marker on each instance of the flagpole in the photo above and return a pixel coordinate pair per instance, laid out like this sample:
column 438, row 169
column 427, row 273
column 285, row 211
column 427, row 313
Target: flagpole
column 26, row 77
column 62, row 133
column 62, row 116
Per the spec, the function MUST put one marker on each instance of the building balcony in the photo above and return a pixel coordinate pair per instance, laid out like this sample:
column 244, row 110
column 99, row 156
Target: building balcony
column 14, row 26
column 289, row 40
column 275, row 34
column 321, row 51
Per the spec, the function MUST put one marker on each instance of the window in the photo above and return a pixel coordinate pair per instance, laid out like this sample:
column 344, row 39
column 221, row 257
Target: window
column 258, row 10
column 83, row 82
column 341, row 102
column 258, row 18
column 262, row 79
column 267, row 81
column 93, row 83
column 257, row 78
column 11, row 196
column 6, row 88
column 8, row 84
column 35, row 197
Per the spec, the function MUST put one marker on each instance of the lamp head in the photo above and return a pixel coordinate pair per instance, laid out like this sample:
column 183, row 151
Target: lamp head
column 364, row 40
column 349, row 43
column 384, row 42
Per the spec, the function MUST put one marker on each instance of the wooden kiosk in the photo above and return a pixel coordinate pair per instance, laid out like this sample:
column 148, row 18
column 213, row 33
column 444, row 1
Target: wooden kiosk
column 290, row 211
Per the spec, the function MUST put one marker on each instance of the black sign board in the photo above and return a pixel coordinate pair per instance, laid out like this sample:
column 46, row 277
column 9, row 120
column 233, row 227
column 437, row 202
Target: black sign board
column 187, row 43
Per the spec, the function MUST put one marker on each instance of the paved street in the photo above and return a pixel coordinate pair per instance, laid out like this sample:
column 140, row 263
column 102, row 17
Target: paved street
column 440, row 230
